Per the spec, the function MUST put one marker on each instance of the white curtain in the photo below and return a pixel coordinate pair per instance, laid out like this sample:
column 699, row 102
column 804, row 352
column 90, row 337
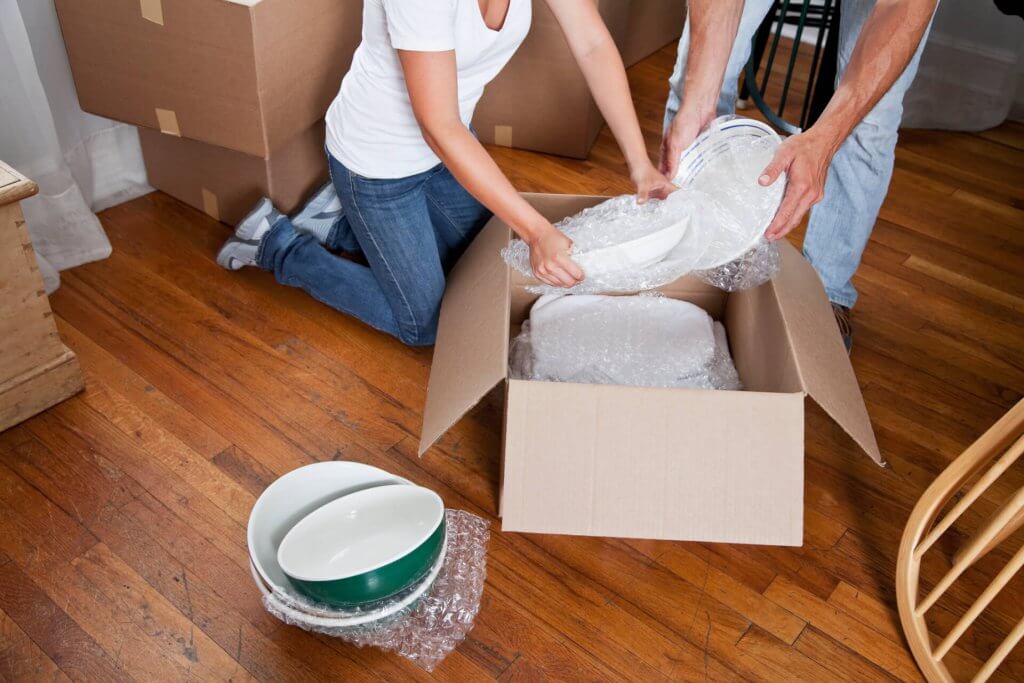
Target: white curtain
column 82, row 163
column 971, row 75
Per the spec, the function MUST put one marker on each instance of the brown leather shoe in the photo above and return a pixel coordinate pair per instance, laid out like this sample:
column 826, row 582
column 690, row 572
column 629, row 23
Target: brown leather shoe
column 842, row 314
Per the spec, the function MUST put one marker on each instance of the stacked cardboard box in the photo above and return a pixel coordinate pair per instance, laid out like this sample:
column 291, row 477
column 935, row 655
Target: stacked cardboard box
column 653, row 24
column 541, row 102
column 679, row 464
column 229, row 95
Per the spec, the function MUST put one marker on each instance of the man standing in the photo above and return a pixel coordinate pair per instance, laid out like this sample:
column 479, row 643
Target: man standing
column 845, row 160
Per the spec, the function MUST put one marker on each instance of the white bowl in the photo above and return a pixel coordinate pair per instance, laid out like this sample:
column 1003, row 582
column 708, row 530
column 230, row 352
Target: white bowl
column 291, row 498
column 360, row 533
column 712, row 145
column 327, row 618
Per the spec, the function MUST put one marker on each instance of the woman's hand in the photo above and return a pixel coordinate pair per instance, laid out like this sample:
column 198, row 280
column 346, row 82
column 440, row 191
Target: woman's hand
column 651, row 183
column 549, row 258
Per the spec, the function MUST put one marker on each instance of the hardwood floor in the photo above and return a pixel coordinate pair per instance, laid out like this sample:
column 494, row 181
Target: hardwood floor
column 123, row 510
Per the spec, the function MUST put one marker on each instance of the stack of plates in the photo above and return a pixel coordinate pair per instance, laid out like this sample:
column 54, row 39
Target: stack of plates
column 723, row 217
column 710, row 164
column 338, row 544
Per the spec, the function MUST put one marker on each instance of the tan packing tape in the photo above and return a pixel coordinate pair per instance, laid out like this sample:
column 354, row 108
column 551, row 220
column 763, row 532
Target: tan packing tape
column 152, row 10
column 168, row 122
column 210, row 205
column 503, row 136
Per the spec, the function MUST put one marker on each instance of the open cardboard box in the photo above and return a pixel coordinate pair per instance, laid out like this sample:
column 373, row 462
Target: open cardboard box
column 677, row 464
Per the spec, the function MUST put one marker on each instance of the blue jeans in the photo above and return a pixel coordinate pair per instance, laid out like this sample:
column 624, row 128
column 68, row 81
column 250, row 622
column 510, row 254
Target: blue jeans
column 858, row 178
column 411, row 231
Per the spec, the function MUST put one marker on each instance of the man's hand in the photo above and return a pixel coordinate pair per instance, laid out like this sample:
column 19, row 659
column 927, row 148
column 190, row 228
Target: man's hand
column 684, row 130
column 549, row 258
column 651, row 184
column 805, row 159
column 887, row 42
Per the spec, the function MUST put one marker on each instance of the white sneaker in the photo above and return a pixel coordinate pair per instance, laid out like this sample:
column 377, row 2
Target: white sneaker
column 238, row 253
column 241, row 249
column 259, row 221
column 320, row 213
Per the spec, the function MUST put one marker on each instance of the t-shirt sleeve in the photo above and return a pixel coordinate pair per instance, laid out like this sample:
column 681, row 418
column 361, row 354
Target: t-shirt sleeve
column 421, row 25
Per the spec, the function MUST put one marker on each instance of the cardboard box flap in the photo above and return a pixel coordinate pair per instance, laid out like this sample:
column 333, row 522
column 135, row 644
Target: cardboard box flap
column 637, row 462
column 822, row 362
column 471, row 353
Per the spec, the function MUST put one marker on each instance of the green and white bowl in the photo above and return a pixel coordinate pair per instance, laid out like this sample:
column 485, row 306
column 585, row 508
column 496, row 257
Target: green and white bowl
column 341, row 617
column 366, row 546
column 291, row 498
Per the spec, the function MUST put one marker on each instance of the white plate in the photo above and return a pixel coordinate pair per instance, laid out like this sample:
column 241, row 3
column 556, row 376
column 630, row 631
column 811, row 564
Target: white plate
column 625, row 340
column 633, row 255
column 295, row 495
column 360, row 532
column 710, row 145
column 324, row 618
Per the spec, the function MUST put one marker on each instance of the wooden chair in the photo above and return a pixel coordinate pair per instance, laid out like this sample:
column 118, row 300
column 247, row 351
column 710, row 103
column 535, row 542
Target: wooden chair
column 1000, row 446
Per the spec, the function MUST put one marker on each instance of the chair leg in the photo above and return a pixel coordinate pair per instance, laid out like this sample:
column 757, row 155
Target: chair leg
column 760, row 43
column 1008, row 530
column 825, row 83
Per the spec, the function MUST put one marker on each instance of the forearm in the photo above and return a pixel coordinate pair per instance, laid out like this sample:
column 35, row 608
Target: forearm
column 713, row 26
column 887, row 43
column 606, row 77
column 476, row 171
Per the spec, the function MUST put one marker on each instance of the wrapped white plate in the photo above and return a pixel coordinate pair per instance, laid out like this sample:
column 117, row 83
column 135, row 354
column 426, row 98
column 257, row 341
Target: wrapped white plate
column 721, row 169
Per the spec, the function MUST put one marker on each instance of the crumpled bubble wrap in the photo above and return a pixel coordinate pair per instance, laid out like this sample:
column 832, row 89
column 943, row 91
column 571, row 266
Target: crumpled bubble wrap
column 753, row 269
column 722, row 374
column 428, row 630
column 616, row 221
column 646, row 341
column 722, row 205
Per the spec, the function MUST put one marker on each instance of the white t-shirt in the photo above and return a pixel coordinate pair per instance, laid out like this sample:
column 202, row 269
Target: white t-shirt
column 371, row 128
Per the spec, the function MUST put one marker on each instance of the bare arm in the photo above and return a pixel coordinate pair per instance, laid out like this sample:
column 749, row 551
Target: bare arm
column 431, row 78
column 599, row 60
column 713, row 26
column 886, row 45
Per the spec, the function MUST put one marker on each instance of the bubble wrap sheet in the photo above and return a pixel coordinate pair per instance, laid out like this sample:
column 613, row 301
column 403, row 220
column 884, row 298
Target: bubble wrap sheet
column 646, row 341
column 427, row 630
column 753, row 269
column 712, row 225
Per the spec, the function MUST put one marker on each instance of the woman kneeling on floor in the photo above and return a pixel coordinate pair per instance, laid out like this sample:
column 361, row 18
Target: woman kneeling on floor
column 411, row 185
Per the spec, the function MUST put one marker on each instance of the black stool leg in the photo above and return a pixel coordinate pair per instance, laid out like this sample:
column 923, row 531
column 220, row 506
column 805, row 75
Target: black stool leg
column 825, row 83
column 760, row 43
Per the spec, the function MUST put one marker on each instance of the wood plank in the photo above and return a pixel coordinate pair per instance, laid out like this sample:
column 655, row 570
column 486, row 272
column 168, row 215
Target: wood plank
column 730, row 592
column 187, row 427
column 57, row 635
column 846, row 630
column 21, row 659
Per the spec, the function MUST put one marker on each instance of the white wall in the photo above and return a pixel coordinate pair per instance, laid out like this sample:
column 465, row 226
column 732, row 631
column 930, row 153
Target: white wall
column 972, row 71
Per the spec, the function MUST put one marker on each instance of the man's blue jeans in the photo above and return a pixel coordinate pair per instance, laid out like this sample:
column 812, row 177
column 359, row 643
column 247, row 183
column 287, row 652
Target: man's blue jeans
column 858, row 178
column 411, row 231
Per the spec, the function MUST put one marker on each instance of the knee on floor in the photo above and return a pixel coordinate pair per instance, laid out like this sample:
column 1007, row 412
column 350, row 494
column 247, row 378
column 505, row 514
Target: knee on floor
column 419, row 335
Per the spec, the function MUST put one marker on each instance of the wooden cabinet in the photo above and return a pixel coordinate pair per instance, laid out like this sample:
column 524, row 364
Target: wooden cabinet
column 36, row 369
